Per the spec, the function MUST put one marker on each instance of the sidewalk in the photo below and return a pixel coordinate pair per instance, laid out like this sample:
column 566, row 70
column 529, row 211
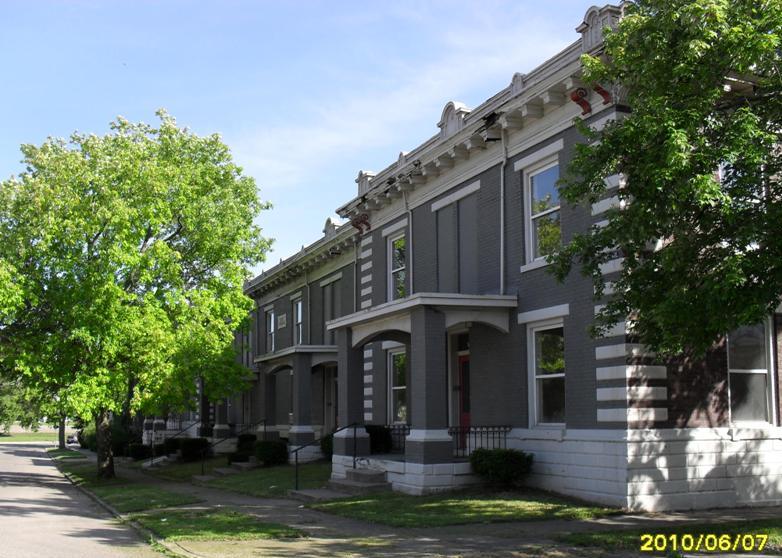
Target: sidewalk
column 330, row 535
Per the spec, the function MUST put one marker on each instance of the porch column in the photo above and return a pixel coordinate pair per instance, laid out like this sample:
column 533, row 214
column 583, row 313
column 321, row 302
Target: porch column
column 428, row 441
column 350, row 396
column 267, row 398
column 301, row 430
column 221, row 429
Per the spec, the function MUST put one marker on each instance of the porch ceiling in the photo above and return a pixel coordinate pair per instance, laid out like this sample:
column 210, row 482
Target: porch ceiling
column 458, row 309
column 320, row 354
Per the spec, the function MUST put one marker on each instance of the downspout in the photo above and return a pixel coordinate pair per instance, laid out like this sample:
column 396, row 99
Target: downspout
column 410, row 240
column 309, row 316
column 357, row 249
column 503, row 135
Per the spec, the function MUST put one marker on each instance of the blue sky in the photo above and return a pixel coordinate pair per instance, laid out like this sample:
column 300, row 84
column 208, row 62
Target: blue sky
column 306, row 93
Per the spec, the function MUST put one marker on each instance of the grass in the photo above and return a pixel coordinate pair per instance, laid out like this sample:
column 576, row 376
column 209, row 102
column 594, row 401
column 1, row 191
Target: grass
column 28, row 437
column 631, row 540
column 400, row 510
column 219, row 525
column 122, row 494
column 185, row 471
column 60, row 455
column 272, row 482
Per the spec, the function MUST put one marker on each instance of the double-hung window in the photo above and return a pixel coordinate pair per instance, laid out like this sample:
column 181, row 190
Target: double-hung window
column 397, row 382
column 298, row 322
column 544, row 235
column 546, row 342
column 271, row 328
column 748, row 377
column 397, row 267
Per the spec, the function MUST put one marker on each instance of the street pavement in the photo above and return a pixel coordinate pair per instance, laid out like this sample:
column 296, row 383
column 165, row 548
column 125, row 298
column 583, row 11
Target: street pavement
column 42, row 515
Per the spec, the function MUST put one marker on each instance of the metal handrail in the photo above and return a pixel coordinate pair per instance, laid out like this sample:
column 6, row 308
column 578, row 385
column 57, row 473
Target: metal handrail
column 152, row 440
column 295, row 452
column 207, row 450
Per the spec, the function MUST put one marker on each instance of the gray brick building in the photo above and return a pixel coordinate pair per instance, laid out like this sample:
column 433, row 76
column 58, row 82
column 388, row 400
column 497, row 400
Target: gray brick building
column 430, row 321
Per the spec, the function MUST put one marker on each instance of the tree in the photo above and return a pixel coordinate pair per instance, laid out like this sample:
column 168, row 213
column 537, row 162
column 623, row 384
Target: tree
column 700, row 155
column 127, row 255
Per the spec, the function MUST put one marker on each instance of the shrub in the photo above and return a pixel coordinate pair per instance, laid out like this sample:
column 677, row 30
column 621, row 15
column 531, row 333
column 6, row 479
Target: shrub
column 245, row 443
column 271, row 452
column 193, row 449
column 239, row 457
column 89, row 437
column 379, row 438
column 504, row 467
column 327, row 446
column 159, row 450
column 172, row 445
column 138, row 451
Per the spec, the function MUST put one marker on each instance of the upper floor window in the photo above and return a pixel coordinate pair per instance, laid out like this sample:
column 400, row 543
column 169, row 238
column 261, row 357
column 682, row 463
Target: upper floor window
column 748, row 377
column 544, row 236
column 271, row 328
column 298, row 322
column 546, row 342
column 397, row 267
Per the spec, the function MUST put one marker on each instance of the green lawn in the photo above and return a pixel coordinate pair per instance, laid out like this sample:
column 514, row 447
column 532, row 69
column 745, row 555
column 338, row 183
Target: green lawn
column 401, row 510
column 185, row 471
column 29, row 437
column 272, row 482
column 212, row 526
column 631, row 540
column 60, row 455
column 124, row 495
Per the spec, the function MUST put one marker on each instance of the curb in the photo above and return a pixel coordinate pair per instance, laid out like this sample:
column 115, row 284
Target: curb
column 140, row 529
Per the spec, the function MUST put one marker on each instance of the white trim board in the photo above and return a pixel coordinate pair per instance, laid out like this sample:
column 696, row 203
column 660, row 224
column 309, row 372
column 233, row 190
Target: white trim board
column 401, row 224
column 540, row 314
column 542, row 153
column 328, row 280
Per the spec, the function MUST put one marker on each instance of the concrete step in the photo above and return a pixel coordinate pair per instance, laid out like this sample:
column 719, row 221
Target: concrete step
column 358, row 488
column 316, row 494
column 244, row 466
column 225, row 471
column 370, row 476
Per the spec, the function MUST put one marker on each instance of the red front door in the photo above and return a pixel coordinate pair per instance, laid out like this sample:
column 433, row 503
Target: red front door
column 464, row 397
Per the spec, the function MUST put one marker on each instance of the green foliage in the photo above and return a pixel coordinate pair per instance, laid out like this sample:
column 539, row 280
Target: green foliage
column 88, row 437
column 239, row 457
column 503, row 467
column 246, row 442
column 701, row 251
column 138, row 451
column 122, row 262
column 213, row 525
column 327, row 446
column 194, row 449
column 172, row 445
column 271, row 452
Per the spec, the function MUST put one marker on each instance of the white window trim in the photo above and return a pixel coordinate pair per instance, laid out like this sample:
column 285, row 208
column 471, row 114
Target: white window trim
column 456, row 196
column 389, row 259
column 390, row 353
column 298, row 326
column 531, row 262
column 769, row 371
column 271, row 329
column 532, row 385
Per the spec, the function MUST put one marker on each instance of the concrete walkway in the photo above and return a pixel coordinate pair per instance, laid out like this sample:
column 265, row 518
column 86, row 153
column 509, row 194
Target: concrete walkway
column 44, row 515
column 331, row 535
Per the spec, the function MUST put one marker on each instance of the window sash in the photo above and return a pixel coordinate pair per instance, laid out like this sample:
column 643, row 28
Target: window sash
column 297, row 322
column 536, row 379
column 533, row 252
column 768, row 411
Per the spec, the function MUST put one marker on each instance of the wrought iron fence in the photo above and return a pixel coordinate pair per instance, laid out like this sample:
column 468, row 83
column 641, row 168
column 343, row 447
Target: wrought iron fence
column 469, row 438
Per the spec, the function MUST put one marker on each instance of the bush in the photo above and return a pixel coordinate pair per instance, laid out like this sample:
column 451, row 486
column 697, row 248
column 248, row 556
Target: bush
column 239, row 457
column 271, row 452
column 88, row 437
column 172, row 445
column 138, row 452
column 245, row 443
column 159, row 450
column 503, row 467
column 327, row 446
column 120, row 437
column 379, row 438
column 193, row 449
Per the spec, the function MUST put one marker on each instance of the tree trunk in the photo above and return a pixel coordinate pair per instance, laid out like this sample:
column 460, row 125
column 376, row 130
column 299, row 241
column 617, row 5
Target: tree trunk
column 105, row 455
column 61, row 434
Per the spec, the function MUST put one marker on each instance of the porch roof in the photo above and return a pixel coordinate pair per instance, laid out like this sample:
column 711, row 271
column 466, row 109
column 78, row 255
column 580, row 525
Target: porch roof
column 458, row 309
column 321, row 353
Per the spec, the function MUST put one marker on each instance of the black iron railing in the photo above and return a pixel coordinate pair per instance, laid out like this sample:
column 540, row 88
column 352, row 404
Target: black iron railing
column 469, row 438
column 209, row 450
column 295, row 451
column 398, row 434
column 152, row 443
